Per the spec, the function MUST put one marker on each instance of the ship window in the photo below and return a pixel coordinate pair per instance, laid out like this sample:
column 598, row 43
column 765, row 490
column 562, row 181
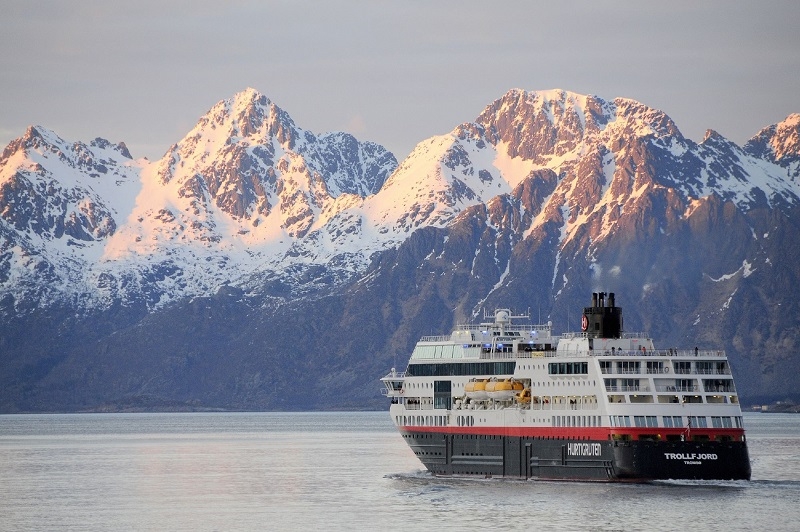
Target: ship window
column 628, row 366
column 652, row 421
column 705, row 368
column 717, row 385
column 683, row 367
column 442, row 394
column 638, row 421
column 698, row 422
column 668, row 421
column 568, row 368
column 622, row 421
column 448, row 369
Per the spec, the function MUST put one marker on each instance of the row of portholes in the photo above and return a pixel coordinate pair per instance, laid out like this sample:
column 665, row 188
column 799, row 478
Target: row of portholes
column 465, row 421
column 559, row 383
column 428, row 385
column 424, row 421
column 576, row 421
column 532, row 367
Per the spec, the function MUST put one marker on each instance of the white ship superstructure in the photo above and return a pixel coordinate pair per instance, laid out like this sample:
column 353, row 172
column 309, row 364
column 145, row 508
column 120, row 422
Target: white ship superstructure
column 507, row 399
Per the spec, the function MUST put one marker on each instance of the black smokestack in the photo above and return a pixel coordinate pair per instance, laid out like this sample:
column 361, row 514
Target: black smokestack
column 601, row 320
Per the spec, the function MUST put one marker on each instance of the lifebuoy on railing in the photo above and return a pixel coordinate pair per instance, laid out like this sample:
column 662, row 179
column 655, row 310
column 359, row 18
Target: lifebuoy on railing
column 666, row 370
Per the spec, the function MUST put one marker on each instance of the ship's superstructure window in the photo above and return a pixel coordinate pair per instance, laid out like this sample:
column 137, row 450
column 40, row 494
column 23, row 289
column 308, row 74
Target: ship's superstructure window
column 446, row 351
column 620, row 421
column 711, row 367
column 442, row 397
column 465, row 421
column 698, row 422
column 568, row 368
column 460, row 369
column 673, row 421
column 605, row 366
column 575, row 421
column 645, row 421
column 717, row 385
column 705, row 368
column 628, row 366
column 719, row 422
column 655, row 367
column 683, row 368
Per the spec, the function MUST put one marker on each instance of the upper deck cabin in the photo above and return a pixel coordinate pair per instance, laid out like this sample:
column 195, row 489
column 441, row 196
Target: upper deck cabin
column 501, row 338
column 601, row 336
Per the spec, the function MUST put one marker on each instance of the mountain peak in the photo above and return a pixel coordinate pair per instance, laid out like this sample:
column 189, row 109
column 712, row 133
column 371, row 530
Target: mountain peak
column 120, row 147
column 779, row 142
column 786, row 142
column 36, row 136
column 249, row 115
column 712, row 136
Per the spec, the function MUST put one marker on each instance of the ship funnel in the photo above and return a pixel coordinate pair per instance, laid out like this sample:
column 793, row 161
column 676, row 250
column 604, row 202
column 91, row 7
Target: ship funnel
column 601, row 320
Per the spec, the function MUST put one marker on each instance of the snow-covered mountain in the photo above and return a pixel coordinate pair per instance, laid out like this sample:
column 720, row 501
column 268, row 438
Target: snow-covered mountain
column 234, row 194
column 250, row 222
column 61, row 202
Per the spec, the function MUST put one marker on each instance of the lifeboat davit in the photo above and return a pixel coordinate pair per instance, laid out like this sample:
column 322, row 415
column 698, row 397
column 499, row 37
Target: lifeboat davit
column 503, row 390
column 476, row 389
column 524, row 397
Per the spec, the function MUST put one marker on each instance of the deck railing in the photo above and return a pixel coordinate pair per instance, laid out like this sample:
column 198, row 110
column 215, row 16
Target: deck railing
column 654, row 353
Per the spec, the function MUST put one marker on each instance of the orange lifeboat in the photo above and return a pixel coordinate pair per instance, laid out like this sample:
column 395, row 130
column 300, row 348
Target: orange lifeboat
column 504, row 390
column 476, row 389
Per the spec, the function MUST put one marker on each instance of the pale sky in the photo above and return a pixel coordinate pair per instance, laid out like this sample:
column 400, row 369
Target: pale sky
column 395, row 73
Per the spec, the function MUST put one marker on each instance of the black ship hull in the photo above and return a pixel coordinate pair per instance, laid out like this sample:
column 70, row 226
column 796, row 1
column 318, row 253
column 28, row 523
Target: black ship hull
column 448, row 453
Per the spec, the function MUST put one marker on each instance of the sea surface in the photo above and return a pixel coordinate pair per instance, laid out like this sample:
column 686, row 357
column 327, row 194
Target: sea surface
column 341, row 471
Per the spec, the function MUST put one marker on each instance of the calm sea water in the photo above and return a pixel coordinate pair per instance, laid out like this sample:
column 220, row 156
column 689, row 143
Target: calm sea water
column 336, row 471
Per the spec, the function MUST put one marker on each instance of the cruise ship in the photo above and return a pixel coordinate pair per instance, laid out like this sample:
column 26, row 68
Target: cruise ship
column 505, row 398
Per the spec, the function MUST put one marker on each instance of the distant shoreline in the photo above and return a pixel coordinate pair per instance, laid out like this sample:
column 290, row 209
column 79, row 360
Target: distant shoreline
column 776, row 408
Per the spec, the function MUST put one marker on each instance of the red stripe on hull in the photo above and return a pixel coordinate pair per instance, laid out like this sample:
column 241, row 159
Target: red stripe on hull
column 582, row 433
